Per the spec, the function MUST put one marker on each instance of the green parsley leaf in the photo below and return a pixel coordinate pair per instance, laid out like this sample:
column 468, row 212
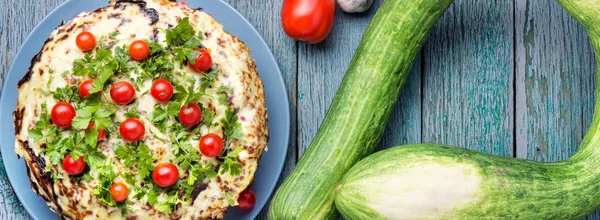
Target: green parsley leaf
column 132, row 113
column 231, row 127
column 105, row 177
column 170, row 204
column 229, row 197
column 36, row 134
column 181, row 33
column 231, row 164
column 207, row 116
column 144, row 162
column 158, row 61
column 222, row 96
column 126, row 154
column 67, row 94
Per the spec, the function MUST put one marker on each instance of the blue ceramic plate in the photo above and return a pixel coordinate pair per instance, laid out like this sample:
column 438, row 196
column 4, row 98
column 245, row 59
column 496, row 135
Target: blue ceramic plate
column 271, row 162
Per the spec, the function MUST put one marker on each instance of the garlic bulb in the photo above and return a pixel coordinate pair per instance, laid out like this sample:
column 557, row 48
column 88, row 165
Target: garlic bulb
column 352, row 6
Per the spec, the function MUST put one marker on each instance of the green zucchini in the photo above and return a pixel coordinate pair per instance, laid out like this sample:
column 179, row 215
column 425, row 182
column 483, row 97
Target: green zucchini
column 360, row 109
column 427, row 181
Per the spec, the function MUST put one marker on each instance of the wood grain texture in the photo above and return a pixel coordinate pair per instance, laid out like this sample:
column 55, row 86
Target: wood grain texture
column 268, row 23
column 555, row 81
column 468, row 80
column 554, row 59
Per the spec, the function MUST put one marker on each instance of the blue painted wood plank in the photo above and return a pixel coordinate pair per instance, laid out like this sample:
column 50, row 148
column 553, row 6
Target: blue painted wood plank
column 267, row 22
column 468, row 78
column 554, row 84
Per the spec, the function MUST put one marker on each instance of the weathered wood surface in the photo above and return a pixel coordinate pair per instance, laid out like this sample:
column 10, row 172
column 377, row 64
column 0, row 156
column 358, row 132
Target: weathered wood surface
column 513, row 78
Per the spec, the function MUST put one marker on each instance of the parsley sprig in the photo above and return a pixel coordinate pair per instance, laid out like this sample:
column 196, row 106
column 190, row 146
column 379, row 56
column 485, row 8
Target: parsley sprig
column 231, row 164
column 184, row 41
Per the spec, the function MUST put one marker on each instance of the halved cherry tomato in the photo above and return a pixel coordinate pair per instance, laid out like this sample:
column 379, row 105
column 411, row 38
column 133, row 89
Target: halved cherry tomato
column 101, row 132
column 247, row 199
column 119, row 191
column 211, row 145
column 63, row 114
column 85, row 41
column 203, row 62
column 161, row 90
column 308, row 21
column 190, row 115
column 73, row 167
column 122, row 93
column 132, row 129
column 84, row 88
column 179, row 4
column 165, row 174
column 139, row 50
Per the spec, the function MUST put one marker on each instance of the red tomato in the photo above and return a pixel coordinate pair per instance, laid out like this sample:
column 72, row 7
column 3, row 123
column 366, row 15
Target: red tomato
column 211, row 145
column 122, row 93
column 73, row 167
column 190, row 115
column 139, row 50
column 203, row 61
column 85, row 41
column 101, row 132
column 119, row 191
column 84, row 88
column 161, row 90
column 132, row 129
column 307, row 21
column 165, row 174
column 247, row 199
column 180, row 4
column 63, row 114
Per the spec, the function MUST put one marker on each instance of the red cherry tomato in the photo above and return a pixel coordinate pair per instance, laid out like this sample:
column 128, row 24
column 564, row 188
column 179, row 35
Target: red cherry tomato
column 122, row 93
column 247, row 199
column 85, row 41
column 63, row 114
column 190, row 115
column 84, row 88
column 180, row 4
column 119, row 191
column 165, row 174
column 211, row 145
column 132, row 129
column 139, row 50
column 73, row 167
column 161, row 90
column 307, row 21
column 101, row 132
column 203, row 61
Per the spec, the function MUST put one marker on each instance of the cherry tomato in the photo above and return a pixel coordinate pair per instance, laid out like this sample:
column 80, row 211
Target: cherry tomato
column 307, row 21
column 190, row 115
column 122, row 93
column 119, row 191
column 247, row 199
column 84, row 88
column 101, row 132
column 211, row 145
column 203, row 61
column 132, row 129
column 161, row 90
column 73, row 167
column 165, row 174
column 180, row 4
column 85, row 41
column 63, row 114
column 139, row 50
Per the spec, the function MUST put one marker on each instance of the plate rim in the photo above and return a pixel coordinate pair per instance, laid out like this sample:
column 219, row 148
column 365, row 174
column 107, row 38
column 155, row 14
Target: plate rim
column 271, row 58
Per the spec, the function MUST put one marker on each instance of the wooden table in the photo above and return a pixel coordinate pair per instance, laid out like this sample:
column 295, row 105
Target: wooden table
column 513, row 78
